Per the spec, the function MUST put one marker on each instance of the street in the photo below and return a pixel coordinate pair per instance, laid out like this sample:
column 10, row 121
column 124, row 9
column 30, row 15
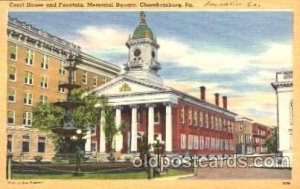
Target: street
column 241, row 173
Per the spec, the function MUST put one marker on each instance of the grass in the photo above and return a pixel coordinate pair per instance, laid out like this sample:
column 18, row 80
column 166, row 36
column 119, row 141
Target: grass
column 137, row 174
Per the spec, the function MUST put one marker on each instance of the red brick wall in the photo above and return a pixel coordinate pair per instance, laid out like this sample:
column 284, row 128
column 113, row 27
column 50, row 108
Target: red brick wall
column 177, row 127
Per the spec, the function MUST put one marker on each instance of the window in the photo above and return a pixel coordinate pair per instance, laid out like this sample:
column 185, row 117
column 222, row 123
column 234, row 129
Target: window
column 95, row 80
column 182, row 115
column 9, row 143
column 207, row 143
column 43, row 99
column 190, row 144
column 217, row 146
column 216, row 123
column 60, row 89
column 221, row 144
column 45, row 62
column 138, row 117
column 25, row 143
column 229, row 126
column 201, row 119
column 12, row 73
column 206, row 120
column 28, row 99
column 28, row 78
column 226, row 145
column 41, row 144
column 27, row 118
column 190, row 117
column 195, row 118
column 61, row 68
column 224, row 125
column 183, row 141
column 241, row 139
column 220, row 124
column 84, row 77
column 156, row 116
column 29, row 57
column 13, row 51
column 212, row 121
column 44, row 82
column 11, row 117
column 201, row 142
column 212, row 144
column 11, row 95
column 196, row 142
column 231, row 146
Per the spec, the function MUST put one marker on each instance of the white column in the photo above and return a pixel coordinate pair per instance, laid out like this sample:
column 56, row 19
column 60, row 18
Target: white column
column 102, row 134
column 88, row 142
column 150, row 125
column 133, row 146
column 119, row 136
column 168, row 128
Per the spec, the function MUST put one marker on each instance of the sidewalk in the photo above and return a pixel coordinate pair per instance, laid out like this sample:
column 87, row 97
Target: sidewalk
column 175, row 177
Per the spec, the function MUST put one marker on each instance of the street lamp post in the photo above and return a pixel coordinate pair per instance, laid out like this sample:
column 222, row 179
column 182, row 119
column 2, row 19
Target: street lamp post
column 78, row 138
column 158, row 147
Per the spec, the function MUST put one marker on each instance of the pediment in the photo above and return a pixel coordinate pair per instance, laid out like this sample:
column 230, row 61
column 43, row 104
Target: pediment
column 125, row 85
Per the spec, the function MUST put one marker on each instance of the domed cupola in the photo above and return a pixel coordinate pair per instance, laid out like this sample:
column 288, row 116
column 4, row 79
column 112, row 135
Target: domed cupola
column 142, row 31
column 142, row 57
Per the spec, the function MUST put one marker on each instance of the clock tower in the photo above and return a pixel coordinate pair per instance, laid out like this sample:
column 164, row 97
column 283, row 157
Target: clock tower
column 142, row 56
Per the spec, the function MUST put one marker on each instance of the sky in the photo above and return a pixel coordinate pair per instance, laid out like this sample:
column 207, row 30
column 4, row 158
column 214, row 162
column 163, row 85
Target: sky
column 235, row 53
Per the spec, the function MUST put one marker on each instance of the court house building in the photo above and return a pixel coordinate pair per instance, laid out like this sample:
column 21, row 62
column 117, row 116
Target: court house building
column 151, row 110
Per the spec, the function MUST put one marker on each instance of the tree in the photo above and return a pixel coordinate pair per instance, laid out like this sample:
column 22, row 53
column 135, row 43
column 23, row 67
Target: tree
column 48, row 116
column 110, row 128
column 271, row 144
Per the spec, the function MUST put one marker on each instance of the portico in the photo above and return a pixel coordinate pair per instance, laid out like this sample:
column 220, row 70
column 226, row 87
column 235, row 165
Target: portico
column 139, row 117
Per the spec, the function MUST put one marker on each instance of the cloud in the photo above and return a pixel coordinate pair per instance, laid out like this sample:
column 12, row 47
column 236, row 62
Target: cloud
column 105, row 42
column 277, row 56
column 224, row 71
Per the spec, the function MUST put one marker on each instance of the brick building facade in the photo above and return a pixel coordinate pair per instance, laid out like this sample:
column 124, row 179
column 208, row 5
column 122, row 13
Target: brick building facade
column 243, row 135
column 260, row 134
column 35, row 69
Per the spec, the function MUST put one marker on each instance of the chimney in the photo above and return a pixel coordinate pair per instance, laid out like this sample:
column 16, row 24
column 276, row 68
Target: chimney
column 202, row 93
column 217, row 98
column 225, row 102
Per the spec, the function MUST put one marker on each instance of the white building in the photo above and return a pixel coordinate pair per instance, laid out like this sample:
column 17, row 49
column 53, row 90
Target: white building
column 284, row 90
column 152, row 110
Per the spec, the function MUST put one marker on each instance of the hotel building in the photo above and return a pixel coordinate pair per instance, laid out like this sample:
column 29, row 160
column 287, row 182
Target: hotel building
column 35, row 62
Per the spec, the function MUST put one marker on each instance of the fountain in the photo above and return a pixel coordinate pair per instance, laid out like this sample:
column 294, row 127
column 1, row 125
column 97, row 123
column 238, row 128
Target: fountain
column 72, row 136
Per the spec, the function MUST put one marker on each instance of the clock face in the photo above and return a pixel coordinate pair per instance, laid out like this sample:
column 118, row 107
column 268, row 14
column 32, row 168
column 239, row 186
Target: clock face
column 137, row 52
column 153, row 54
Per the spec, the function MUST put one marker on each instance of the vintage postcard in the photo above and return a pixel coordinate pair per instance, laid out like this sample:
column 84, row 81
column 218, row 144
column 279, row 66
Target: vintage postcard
column 144, row 94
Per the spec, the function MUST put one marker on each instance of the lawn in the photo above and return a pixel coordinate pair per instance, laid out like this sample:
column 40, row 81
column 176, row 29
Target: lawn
column 130, row 174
